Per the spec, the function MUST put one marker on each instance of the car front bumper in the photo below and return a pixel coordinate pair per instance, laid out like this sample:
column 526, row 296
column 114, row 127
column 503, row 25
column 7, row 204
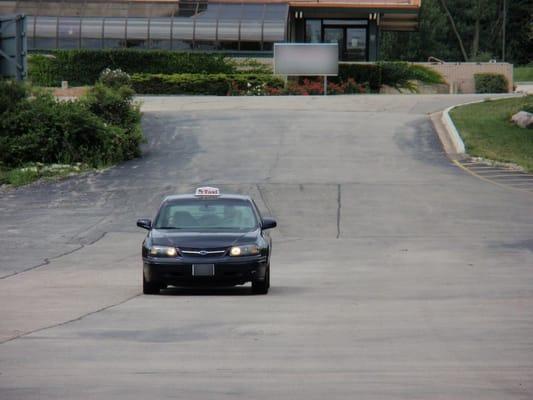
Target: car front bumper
column 227, row 270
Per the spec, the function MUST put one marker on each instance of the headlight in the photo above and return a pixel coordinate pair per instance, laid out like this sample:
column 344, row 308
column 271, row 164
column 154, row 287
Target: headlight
column 163, row 251
column 250, row 250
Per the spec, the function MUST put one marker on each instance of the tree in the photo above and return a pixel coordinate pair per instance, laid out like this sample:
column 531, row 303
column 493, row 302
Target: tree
column 519, row 38
column 454, row 29
column 465, row 30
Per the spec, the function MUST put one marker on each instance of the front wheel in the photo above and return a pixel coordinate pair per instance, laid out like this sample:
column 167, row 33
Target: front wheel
column 261, row 287
column 150, row 287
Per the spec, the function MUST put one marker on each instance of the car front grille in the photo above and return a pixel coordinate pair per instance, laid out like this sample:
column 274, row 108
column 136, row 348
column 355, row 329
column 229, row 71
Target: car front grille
column 203, row 252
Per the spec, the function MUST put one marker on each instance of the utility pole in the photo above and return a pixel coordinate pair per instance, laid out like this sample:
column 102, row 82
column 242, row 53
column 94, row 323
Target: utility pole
column 504, row 28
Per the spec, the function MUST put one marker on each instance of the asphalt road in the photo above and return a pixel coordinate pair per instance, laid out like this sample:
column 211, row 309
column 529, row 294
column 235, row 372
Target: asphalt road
column 395, row 274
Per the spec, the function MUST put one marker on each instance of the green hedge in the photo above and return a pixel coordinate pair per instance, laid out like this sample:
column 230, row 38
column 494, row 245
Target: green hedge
column 491, row 83
column 396, row 74
column 83, row 67
column 210, row 84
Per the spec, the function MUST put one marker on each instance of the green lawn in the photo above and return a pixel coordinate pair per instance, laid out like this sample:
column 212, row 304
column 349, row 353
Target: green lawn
column 523, row 74
column 487, row 131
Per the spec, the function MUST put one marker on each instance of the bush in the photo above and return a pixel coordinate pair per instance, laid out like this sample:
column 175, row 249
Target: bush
column 11, row 93
column 308, row 87
column 396, row 74
column 425, row 74
column 527, row 104
column 47, row 131
column 369, row 74
column 314, row 86
column 491, row 83
column 44, row 70
column 116, row 108
column 100, row 129
column 83, row 67
column 210, row 84
column 114, row 78
column 251, row 66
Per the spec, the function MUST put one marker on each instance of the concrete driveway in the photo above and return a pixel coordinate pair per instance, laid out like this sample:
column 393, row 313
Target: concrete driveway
column 395, row 275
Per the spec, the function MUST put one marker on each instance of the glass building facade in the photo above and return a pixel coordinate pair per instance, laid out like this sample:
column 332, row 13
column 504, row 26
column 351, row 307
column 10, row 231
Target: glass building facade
column 234, row 26
column 179, row 25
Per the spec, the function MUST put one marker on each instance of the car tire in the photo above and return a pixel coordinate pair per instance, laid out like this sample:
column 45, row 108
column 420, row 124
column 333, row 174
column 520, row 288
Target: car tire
column 151, row 287
column 261, row 287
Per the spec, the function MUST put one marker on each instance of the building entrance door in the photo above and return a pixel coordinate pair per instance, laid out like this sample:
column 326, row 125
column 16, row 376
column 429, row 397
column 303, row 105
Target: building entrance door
column 351, row 41
column 335, row 35
column 355, row 44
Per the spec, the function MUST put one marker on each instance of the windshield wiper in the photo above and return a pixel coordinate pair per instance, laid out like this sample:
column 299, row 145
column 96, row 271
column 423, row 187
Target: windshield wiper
column 167, row 227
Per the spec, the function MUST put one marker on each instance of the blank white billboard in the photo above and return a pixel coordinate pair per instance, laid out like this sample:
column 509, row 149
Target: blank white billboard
column 306, row 59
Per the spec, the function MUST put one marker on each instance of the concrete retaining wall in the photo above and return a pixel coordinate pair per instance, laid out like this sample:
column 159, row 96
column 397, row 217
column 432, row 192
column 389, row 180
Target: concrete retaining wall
column 460, row 76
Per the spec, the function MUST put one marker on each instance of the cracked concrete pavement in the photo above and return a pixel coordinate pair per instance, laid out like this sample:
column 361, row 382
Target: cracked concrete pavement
column 395, row 274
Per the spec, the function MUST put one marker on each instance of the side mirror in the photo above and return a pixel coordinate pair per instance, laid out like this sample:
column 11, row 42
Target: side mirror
column 269, row 223
column 144, row 223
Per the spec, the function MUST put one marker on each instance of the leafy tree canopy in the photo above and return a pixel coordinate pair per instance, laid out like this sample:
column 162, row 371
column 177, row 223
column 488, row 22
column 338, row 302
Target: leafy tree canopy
column 479, row 29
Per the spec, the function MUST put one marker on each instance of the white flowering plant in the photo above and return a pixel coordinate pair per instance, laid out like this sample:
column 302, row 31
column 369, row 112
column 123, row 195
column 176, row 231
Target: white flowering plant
column 114, row 78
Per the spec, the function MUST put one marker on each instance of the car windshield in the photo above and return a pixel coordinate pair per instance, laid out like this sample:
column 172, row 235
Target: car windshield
column 208, row 214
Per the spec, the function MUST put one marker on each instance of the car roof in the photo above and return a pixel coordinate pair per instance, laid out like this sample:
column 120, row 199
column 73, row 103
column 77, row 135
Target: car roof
column 192, row 196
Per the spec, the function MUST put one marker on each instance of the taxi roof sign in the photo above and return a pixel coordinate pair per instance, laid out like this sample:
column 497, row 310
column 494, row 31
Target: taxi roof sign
column 207, row 191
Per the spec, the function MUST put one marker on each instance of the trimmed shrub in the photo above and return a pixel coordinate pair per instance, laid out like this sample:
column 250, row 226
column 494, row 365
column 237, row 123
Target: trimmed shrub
column 210, row 84
column 83, row 67
column 491, row 83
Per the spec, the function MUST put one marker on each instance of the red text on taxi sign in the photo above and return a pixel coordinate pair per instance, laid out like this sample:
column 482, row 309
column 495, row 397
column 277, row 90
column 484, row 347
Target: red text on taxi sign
column 207, row 191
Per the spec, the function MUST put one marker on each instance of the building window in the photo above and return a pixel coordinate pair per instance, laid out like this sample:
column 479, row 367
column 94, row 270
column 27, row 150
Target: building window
column 45, row 33
column 137, row 32
column 182, row 25
column 356, row 44
column 69, row 33
column 350, row 35
column 91, row 33
column 313, row 31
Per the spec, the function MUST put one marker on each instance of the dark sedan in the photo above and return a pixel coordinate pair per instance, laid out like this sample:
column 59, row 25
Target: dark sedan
column 207, row 239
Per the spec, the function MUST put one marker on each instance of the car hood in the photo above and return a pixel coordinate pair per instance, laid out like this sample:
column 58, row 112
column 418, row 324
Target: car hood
column 201, row 240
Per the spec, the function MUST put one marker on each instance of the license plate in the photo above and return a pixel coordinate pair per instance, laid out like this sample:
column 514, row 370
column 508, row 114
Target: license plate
column 203, row 269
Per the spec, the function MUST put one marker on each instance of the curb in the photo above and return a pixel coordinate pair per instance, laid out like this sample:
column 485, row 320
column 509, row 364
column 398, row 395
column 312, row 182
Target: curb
column 451, row 129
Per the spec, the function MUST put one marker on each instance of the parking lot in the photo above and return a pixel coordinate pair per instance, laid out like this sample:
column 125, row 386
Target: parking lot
column 395, row 274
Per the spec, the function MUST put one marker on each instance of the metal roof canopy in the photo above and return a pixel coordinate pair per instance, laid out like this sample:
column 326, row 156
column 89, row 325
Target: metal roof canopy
column 13, row 46
column 192, row 20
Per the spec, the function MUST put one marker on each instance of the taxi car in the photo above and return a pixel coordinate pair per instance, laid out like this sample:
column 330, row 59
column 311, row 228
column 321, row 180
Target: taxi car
column 206, row 239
